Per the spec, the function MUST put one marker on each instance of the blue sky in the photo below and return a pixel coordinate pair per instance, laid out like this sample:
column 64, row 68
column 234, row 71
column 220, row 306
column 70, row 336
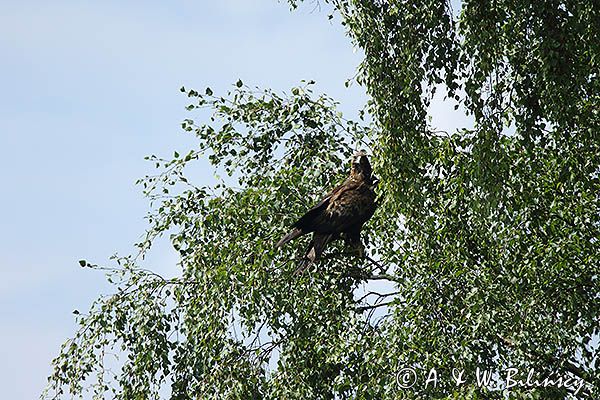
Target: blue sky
column 88, row 90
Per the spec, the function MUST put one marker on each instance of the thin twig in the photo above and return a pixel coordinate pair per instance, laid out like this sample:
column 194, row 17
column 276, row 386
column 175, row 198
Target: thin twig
column 373, row 306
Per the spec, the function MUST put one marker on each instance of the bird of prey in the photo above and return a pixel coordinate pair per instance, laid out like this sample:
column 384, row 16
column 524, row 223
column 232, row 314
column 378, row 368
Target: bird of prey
column 341, row 213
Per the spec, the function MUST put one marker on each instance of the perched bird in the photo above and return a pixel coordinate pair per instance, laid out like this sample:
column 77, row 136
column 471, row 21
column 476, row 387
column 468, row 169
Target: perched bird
column 341, row 213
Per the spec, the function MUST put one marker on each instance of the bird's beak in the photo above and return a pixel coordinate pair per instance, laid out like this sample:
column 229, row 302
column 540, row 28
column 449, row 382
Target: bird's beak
column 357, row 158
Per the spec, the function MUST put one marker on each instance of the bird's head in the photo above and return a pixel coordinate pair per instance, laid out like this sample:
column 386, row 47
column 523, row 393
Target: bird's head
column 361, row 168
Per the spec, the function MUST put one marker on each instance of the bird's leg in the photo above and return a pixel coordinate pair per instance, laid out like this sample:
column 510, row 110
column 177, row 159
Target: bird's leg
column 360, row 249
column 315, row 249
column 353, row 241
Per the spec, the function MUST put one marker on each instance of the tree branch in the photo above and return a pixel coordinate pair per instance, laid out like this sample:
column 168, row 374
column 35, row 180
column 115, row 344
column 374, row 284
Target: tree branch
column 568, row 366
column 386, row 277
column 373, row 306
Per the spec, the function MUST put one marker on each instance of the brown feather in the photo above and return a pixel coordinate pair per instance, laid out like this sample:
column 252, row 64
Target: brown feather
column 343, row 211
column 293, row 234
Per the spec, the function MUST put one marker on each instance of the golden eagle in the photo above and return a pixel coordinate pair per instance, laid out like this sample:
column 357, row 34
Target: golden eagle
column 341, row 213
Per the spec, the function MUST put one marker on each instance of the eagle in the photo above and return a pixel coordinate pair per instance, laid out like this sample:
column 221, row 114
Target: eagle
column 340, row 214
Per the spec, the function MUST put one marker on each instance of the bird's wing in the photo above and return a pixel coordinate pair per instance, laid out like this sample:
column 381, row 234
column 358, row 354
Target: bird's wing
column 305, row 222
column 336, row 212
column 350, row 209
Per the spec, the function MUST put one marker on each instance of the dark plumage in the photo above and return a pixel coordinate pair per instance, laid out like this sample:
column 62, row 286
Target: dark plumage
column 341, row 213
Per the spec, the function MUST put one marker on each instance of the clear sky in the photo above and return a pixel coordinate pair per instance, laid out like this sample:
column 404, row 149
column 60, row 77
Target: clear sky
column 87, row 89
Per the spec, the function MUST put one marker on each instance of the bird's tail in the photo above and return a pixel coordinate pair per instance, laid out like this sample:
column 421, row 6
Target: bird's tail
column 293, row 234
column 315, row 249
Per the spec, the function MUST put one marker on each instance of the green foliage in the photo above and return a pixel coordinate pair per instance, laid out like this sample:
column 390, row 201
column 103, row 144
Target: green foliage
column 487, row 237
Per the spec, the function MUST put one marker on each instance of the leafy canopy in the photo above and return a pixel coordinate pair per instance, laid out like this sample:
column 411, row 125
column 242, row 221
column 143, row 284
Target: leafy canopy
column 484, row 251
